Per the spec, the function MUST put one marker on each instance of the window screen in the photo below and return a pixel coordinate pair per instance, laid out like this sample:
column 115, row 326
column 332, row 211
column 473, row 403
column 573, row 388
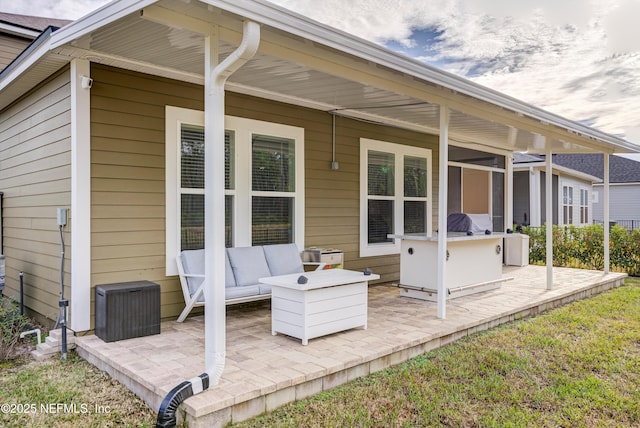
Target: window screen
column 273, row 171
column 273, row 163
column 381, row 173
column 192, row 214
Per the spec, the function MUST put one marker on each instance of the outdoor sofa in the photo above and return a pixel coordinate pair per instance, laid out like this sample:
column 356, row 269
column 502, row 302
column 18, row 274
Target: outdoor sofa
column 243, row 268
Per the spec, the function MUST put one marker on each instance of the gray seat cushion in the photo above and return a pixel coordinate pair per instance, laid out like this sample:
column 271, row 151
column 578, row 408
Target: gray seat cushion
column 283, row 259
column 193, row 263
column 238, row 292
column 248, row 265
column 265, row 289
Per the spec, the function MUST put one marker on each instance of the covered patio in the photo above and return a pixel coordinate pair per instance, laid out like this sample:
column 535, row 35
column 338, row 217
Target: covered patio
column 264, row 372
column 136, row 70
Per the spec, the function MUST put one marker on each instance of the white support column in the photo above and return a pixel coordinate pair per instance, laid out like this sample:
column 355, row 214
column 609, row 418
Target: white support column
column 535, row 202
column 80, row 221
column 508, row 200
column 442, row 212
column 509, row 193
column 605, row 204
column 549, row 213
column 215, row 309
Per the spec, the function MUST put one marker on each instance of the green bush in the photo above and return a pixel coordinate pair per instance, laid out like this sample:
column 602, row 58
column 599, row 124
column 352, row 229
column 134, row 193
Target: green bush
column 11, row 325
column 583, row 247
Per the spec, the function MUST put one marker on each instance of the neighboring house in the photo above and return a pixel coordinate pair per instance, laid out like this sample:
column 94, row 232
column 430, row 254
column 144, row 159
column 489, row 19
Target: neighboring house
column 18, row 31
column 572, row 192
column 314, row 136
column 624, row 190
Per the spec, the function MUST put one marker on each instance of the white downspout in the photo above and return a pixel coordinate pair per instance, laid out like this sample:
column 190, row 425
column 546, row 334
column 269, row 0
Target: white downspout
column 216, row 76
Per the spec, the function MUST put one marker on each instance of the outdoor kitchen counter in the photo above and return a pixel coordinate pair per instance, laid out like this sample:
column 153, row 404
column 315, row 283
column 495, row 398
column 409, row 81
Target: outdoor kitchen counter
column 474, row 264
column 451, row 236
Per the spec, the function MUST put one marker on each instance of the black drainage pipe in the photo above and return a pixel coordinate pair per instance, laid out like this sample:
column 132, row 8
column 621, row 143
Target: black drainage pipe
column 175, row 397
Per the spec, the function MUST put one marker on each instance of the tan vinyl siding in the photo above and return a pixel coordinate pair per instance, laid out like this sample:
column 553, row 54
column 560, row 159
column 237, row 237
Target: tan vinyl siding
column 35, row 178
column 127, row 167
column 128, row 178
column 10, row 48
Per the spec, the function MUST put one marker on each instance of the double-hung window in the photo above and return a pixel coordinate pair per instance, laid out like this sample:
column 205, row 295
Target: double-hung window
column 584, row 206
column 395, row 194
column 567, row 205
column 273, row 186
column 191, row 186
column 264, row 183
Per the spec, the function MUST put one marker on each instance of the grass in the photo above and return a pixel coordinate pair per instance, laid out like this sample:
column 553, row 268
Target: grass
column 576, row 366
column 66, row 394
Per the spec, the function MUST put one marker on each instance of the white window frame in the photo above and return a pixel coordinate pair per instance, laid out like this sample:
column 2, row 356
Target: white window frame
column 242, row 214
column 587, row 204
column 490, row 171
column 570, row 189
column 399, row 151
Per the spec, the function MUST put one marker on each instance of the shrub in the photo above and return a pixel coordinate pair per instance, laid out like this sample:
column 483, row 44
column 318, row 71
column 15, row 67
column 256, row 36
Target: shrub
column 583, row 247
column 11, row 325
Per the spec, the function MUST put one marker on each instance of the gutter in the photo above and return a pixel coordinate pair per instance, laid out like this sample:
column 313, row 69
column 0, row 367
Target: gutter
column 40, row 40
column 560, row 168
column 19, row 30
column 214, row 361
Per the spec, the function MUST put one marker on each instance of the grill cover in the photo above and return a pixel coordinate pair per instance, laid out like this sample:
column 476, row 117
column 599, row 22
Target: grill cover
column 476, row 223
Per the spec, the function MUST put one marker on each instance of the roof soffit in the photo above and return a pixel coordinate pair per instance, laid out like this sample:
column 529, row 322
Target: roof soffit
column 295, row 69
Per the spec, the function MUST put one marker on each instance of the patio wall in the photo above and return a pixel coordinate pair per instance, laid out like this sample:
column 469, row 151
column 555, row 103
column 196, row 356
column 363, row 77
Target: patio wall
column 128, row 176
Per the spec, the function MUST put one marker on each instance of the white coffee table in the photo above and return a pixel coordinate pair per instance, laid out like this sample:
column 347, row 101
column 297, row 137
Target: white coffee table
column 332, row 300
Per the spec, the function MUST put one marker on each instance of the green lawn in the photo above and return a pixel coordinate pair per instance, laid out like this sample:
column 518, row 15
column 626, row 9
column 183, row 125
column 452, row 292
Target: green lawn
column 66, row 394
column 576, row 366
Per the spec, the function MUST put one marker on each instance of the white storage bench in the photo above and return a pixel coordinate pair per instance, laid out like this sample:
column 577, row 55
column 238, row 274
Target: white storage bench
column 329, row 302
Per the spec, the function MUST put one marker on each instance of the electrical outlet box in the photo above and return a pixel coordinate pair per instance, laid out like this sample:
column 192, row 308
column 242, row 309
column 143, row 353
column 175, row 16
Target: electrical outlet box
column 62, row 216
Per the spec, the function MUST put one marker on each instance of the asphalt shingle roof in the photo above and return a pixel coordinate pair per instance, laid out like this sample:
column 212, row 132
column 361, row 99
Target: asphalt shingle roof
column 621, row 170
column 527, row 158
column 37, row 23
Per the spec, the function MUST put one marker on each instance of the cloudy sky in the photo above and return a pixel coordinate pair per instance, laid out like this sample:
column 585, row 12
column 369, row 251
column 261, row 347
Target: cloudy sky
column 577, row 58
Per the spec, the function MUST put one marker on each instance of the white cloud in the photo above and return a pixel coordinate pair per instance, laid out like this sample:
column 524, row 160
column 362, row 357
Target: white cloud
column 62, row 9
column 623, row 31
column 556, row 12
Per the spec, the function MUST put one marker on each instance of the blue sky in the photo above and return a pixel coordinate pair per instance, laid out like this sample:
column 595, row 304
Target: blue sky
column 576, row 58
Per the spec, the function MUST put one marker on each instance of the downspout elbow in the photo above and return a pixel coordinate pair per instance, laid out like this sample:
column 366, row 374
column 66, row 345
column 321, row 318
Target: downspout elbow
column 175, row 397
column 186, row 389
column 247, row 49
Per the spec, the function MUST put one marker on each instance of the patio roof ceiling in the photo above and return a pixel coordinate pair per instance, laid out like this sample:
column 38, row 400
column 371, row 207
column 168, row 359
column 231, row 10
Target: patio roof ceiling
column 304, row 63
